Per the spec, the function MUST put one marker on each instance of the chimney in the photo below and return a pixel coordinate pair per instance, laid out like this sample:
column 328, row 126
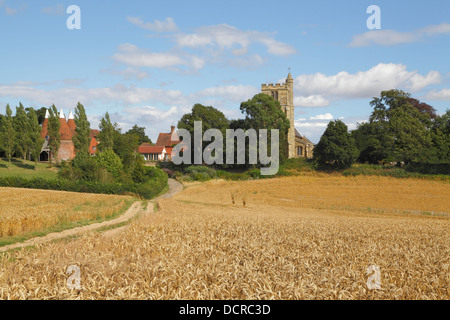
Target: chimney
column 172, row 129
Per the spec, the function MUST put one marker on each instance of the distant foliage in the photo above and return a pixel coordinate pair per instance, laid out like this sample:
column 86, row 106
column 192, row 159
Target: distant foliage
column 336, row 148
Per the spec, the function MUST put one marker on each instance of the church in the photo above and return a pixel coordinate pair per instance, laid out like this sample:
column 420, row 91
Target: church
column 298, row 146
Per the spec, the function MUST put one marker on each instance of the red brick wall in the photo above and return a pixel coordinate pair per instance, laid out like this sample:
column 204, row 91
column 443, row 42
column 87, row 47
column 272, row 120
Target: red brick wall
column 66, row 150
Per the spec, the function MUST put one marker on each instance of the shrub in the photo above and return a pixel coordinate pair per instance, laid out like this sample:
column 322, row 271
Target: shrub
column 110, row 161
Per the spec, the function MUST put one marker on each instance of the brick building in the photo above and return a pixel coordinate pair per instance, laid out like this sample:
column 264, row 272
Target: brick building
column 67, row 131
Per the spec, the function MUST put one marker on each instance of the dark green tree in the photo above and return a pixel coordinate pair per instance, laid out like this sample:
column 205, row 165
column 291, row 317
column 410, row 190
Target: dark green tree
column 263, row 112
column 35, row 139
column 106, row 136
column 400, row 128
column 440, row 140
column 22, row 134
column 7, row 134
column 140, row 133
column 125, row 146
column 336, row 148
column 40, row 113
column 53, row 132
column 210, row 117
column 82, row 138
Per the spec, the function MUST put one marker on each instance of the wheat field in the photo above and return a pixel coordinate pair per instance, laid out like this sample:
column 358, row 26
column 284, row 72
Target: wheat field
column 28, row 210
column 286, row 238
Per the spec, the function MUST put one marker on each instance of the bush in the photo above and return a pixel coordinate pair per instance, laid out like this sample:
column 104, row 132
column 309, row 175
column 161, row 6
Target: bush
column 110, row 161
column 428, row 168
column 153, row 186
column 200, row 173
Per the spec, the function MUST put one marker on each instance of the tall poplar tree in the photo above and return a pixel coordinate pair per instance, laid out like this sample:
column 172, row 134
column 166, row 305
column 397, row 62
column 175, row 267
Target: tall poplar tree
column 35, row 139
column 106, row 137
column 54, row 139
column 21, row 127
column 7, row 134
column 82, row 138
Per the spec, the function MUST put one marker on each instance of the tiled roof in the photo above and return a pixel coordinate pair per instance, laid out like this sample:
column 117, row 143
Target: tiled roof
column 144, row 149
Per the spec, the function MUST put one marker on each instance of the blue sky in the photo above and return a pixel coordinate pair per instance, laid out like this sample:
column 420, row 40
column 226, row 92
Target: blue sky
column 148, row 62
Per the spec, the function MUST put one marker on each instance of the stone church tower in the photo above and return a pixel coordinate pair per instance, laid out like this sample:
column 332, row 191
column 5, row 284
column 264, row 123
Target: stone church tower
column 284, row 93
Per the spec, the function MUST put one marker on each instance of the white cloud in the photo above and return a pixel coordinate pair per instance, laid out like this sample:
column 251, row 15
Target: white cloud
column 392, row 37
column 133, row 56
column 168, row 25
column 318, row 89
column 237, row 93
column 226, row 37
column 118, row 94
column 443, row 94
column 326, row 116
column 311, row 101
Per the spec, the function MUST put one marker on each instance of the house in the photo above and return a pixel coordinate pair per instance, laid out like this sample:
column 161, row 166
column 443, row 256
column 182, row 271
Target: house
column 162, row 150
column 67, row 129
column 153, row 153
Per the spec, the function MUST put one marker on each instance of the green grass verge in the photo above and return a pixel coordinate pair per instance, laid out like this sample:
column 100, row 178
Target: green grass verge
column 23, row 168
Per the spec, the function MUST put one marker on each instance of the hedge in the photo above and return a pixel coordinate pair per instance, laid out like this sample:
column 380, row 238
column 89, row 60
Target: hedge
column 147, row 190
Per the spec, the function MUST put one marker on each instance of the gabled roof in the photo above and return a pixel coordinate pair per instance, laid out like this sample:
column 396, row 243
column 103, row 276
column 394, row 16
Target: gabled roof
column 145, row 148
column 94, row 133
column 165, row 139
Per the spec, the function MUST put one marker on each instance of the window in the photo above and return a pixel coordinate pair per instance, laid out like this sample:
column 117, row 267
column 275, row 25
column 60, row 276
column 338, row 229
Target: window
column 275, row 95
column 299, row 151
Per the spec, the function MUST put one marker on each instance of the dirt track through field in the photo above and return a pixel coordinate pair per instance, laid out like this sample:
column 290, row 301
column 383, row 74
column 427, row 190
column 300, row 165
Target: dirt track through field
column 137, row 207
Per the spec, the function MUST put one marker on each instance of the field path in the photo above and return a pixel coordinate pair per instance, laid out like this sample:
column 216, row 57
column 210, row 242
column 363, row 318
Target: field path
column 174, row 188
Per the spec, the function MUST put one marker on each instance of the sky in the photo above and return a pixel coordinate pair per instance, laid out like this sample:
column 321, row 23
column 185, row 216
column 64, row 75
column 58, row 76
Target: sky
column 148, row 62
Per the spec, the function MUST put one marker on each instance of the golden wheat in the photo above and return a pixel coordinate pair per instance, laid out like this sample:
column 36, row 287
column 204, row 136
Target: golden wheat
column 279, row 245
column 25, row 210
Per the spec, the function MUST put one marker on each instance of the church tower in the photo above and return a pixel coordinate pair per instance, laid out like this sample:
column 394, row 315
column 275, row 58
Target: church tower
column 284, row 93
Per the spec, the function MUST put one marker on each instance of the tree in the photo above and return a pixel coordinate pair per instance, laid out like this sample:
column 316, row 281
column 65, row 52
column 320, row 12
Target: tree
column 22, row 136
column 82, row 138
column 7, row 134
column 35, row 139
column 111, row 162
column 264, row 112
column 54, row 139
column 423, row 107
column 210, row 117
column 399, row 127
column 440, row 139
column 140, row 133
column 125, row 146
column 106, row 136
column 40, row 113
column 336, row 148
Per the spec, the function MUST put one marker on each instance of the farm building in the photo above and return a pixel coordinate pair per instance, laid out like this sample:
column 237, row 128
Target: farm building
column 67, row 131
column 153, row 153
column 162, row 150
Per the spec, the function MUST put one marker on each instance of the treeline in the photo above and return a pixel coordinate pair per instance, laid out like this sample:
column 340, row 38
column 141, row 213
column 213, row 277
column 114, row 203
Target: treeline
column 401, row 131
column 20, row 135
column 117, row 164
column 260, row 112
column 116, row 168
